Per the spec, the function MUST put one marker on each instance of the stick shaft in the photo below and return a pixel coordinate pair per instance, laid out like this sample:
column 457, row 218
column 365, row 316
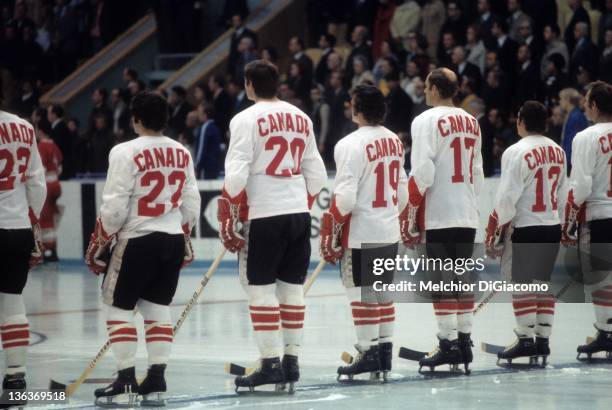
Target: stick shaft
column 314, row 275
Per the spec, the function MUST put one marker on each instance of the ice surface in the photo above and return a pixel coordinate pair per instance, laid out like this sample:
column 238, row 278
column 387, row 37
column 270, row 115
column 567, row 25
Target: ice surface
column 64, row 307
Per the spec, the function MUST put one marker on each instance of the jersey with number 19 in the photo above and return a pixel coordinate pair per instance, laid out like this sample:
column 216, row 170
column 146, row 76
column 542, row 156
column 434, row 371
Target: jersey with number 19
column 273, row 155
column 447, row 165
column 371, row 185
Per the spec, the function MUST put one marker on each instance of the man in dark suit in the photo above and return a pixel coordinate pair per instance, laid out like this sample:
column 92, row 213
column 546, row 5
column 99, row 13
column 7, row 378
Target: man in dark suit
column 505, row 47
column 62, row 137
column 326, row 44
column 240, row 31
column 399, row 105
column 579, row 15
column 207, row 144
column 179, row 108
column 585, row 53
column 296, row 49
column 222, row 103
column 528, row 77
column 464, row 68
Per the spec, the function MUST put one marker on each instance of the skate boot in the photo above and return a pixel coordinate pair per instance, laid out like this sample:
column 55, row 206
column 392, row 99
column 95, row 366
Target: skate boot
column 542, row 349
column 447, row 352
column 153, row 387
column 123, row 392
column 15, row 383
column 385, row 352
column 367, row 361
column 291, row 370
column 465, row 345
column 270, row 372
column 601, row 343
column 522, row 347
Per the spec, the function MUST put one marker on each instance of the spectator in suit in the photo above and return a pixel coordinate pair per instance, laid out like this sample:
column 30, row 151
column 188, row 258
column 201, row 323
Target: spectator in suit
column 207, row 144
column 335, row 95
column 360, row 46
column 27, row 100
column 585, row 53
column 528, row 78
column 65, row 37
column 525, row 36
column 553, row 45
column 62, row 138
column 555, row 80
column 605, row 24
column 516, row 14
column 179, row 108
column 399, row 105
column 296, row 49
column 542, row 12
column 575, row 120
column 362, row 13
column 298, row 83
column 579, row 15
column 238, row 95
column 120, row 115
column 361, row 72
column 222, row 103
column 475, row 48
column 495, row 92
column 455, row 23
column 269, row 54
column 418, row 97
column 605, row 65
column 319, row 115
column 240, row 31
column 506, row 48
column 445, row 52
column 100, row 106
column 464, row 68
column 246, row 54
column 485, row 20
column 100, row 143
column 327, row 43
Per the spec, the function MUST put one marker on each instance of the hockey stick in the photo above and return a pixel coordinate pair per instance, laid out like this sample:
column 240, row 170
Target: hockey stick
column 72, row 387
column 238, row 370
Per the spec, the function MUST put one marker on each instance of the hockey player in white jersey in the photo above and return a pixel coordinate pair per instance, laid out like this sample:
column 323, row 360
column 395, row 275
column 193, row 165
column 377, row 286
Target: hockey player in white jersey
column 22, row 194
column 362, row 224
column 443, row 185
column 524, row 227
column 588, row 212
column 273, row 172
column 149, row 205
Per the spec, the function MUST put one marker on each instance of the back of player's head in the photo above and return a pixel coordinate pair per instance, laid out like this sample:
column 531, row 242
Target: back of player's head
column 534, row 116
column 263, row 75
column 370, row 102
column 600, row 95
column 150, row 109
column 445, row 81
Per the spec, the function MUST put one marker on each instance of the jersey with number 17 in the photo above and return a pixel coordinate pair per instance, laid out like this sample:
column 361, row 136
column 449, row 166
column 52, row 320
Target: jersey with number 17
column 150, row 187
column 447, row 166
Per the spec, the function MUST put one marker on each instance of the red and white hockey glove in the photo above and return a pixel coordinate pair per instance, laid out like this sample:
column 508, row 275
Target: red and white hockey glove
column 36, row 257
column 97, row 255
column 330, row 245
column 230, row 213
column 409, row 224
column 494, row 236
column 188, row 258
column 569, row 230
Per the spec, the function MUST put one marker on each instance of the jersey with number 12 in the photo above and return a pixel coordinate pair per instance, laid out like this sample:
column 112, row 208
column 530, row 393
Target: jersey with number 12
column 150, row 187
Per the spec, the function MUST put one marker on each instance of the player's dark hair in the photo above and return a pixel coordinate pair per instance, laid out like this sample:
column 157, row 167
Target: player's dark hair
column 601, row 96
column 151, row 109
column 264, row 77
column 44, row 125
column 447, row 87
column 370, row 102
column 534, row 115
column 57, row 110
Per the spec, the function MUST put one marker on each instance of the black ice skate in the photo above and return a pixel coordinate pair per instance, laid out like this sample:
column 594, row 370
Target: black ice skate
column 542, row 349
column 523, row 347
column 270, row 372
column 15, row 383
column 465, row 345
column 367, row 361
column 153, row 387
column 601, row 343
column 447, row 352
column 291, row 371
column 123, row 392
column 385, row 352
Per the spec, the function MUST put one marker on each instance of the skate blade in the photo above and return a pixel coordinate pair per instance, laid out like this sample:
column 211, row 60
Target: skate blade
column 153, row 400
column 279, row 390
column 532, row 363
column 121, row 401
column 373, row 378
column 430, row 371
column 595, row 359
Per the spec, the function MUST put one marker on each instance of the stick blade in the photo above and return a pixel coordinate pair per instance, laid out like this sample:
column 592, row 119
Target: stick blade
column 234, row 369
column 491, row 348
column 410, row 354
column 55, row 385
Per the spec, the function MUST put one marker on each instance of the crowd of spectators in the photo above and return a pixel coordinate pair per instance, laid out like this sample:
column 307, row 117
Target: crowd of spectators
column 504, row 52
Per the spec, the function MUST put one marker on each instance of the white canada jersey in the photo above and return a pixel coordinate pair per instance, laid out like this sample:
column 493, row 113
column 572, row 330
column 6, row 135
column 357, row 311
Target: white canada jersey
column 371, row 185
column 447, row 165
column 591, row 177
column 532, row 183
column 150, row 187
column 273, row 155
column 22, row 175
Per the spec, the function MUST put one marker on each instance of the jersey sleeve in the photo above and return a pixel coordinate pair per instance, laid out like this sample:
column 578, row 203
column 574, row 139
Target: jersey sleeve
column 313, row 168
column 36, row 187
column 118, row 189
column 191, row 200
column 511, row 186
column 348, row 174
column 239, row 156
column 477, row 170
column 583, row 162
column 422, row 154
